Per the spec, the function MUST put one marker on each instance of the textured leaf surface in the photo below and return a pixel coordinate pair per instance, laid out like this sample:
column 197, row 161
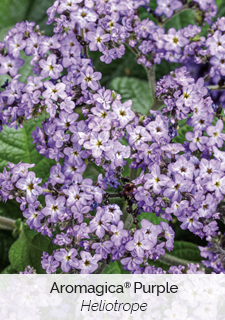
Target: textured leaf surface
column 136, row 90
column 187, row 251
column 126, row 66
column 115, row 267
column 13, row 11
column 16, row 146
column 6, row 240
column 27, row 250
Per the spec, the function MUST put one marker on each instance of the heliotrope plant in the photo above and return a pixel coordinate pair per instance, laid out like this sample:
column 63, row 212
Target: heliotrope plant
column 171, row 180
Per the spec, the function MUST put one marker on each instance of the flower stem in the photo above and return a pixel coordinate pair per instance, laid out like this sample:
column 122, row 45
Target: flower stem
column 101, row 268
column 7, row 224
column 216, row 87
column 175, row 261
column 185, row 7
column 151, row 81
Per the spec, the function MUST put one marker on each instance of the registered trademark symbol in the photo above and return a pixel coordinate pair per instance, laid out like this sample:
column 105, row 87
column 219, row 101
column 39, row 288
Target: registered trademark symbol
column 127, row 284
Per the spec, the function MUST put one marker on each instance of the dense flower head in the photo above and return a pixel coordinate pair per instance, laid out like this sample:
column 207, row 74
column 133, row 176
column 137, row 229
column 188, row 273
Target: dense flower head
column 182, row 180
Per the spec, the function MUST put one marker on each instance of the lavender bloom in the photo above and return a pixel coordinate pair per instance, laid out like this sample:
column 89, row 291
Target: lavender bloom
column 123, row 112
column 98, row 143
column 33, row 217
column 10, row 65
column 74, row 195
column 62, row 239
column 139, row 244
column 175, row 40
column 30, row 184
column 208, row 206
column 54, row 207
column 68, row 105
column 167, row 7
column 118, row 233
column 89, row 78
column 198, row 141
column 67, row 259
column 50, row 264
column 88, row 264
column 104, row 97
column 218, row 61
column 54, row 91
column 20, row 170
column 175, row 187
column 100, row 223
column 131, row 263
column 70, row 5
column 75, row 154
column 216, row 135
column 97, row 39
column 16, row 44
column 56, row 175
column 217, row 184
column 50, row 68
column 150, row 231
column 155, row 179
column 60, row 138
column 103, row 248
column 79, row 210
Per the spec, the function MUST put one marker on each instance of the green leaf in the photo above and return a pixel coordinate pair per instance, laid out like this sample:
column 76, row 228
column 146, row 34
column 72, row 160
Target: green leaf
column 9, row 270
column 115, row 267
column 10, row 209
column 165, row 68
column 16, row 146
column 126, row 66
column 40, row 242
column 13, row 11
column 181, row 20
column 187, row 251
column 136, row 90
column 28, row 249
column 6, row 240
column 22, row 254
column 181, row 134
column 151, row 217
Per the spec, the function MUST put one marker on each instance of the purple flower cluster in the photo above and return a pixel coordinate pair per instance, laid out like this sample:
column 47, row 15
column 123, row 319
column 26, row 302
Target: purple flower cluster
column 182, row 180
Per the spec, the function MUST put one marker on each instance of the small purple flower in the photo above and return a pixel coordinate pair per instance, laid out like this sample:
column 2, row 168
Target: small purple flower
column 97, row 39
column 8, row 64
column 139, row 244
column 167, row 7
column 216, row 135
column 175, row 187
column 50, row 68
column 50, row 264
column 88, row 264
column 150, row 231
column 103, row 248
column 118, row 233
column 198, row 141
column 155, row 179
column 67, row 259
column 54, row 91
column 98, row 143
column 60, row 138
column 30, row 184
column 89, row 78
column 217, row 184
column 100, row 223
column 79, row 210
column 54, row 207
column 33, row 217
column 16, row 43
